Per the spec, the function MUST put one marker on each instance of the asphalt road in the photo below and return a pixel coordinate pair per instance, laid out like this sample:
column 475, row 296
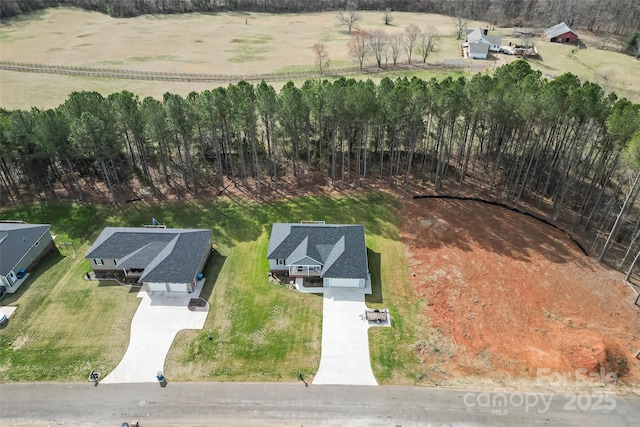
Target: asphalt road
column 237, row 404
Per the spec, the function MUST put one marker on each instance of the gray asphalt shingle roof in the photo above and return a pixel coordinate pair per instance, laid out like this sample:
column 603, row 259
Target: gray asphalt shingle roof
column 480, row 48
column 340, row 248
column 478, row 35
column 170, row 255
column 16, row 240
column 558, row 30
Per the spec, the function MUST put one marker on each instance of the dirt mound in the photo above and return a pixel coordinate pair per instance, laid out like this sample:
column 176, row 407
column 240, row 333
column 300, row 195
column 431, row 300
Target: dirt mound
column 508, row 295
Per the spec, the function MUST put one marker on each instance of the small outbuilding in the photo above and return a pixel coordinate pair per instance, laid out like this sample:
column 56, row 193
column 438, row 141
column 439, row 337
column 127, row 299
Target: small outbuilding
column 561, row 33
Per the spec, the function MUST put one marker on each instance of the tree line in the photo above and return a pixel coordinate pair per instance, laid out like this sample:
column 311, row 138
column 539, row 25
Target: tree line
column 614, row 16
column 386, row 48
column 562, row 144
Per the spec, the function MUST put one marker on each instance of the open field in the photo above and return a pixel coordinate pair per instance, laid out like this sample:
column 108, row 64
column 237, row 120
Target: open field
column 512, row 295
column 232, row 44
column 260, row 331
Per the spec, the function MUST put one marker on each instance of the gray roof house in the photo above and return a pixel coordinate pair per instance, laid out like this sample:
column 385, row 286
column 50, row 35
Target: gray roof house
column 162, row 259
column 335, row 253
column 479, row 43
column 22, row 245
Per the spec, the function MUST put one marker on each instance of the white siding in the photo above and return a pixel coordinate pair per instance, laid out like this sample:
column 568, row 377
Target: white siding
column 475, row 55
column 273, row 265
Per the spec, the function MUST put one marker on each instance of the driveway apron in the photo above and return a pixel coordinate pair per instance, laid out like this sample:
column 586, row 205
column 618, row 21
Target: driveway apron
column 154, row 326
column 345, row 341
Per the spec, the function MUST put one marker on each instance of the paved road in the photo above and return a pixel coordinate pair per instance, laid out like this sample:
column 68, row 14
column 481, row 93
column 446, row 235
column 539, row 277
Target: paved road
column 293, row 405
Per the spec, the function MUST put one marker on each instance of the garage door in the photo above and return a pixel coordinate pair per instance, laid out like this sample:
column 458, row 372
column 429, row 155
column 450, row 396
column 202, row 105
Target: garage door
column 177, row 287
column 157, row 287
column 343, row 283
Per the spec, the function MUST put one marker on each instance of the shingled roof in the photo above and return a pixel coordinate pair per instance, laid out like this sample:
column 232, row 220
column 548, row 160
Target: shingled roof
column 339, row 248
column 16, row 239
column 477, row 36
column 558, row 30
column 170, row 255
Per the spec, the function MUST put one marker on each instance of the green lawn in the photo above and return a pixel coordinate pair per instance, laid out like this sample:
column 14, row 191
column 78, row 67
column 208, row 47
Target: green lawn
column 66, row 326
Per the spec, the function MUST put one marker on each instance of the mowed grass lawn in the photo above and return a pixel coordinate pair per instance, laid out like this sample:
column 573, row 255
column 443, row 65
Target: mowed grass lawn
column 66, row 326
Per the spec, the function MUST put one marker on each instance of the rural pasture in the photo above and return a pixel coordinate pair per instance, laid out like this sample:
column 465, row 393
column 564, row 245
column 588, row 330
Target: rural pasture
column 237, row 44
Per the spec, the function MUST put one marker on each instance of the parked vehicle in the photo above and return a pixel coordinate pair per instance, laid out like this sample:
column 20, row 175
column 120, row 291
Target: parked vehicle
column 3, row 291
column 3, row 319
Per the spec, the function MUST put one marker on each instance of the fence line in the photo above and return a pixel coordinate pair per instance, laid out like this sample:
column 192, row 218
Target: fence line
column 211, row 78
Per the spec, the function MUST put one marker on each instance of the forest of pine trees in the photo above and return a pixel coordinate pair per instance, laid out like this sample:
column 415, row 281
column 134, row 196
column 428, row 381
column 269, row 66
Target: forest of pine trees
column 560, row 145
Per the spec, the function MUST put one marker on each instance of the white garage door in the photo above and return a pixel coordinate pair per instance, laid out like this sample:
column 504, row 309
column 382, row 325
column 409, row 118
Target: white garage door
column 157, row 287
column 177, row 287
column 342, row 283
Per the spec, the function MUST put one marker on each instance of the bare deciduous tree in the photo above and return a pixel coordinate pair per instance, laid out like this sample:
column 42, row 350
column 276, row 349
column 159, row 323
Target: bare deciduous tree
column 461, row 25
column 411, row 34
column 349, row 17
column 495, row 14
column 378, row 43
column 427, row 44
column 322, row 56
column 359, row 46
column 386, row 17
column 395, row 45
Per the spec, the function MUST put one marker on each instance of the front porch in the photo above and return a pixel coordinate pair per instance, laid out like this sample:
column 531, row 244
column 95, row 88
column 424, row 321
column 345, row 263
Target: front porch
column 308, row 284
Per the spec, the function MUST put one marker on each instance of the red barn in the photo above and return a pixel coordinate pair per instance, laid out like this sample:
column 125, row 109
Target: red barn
column 561, row 33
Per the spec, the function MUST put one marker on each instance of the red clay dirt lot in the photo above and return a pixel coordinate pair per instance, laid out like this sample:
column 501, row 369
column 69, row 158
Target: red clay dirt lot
column 508, row 294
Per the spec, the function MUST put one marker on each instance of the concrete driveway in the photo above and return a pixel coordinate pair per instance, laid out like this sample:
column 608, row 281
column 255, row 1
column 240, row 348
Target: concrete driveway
column 345, row 341
column 154, row 326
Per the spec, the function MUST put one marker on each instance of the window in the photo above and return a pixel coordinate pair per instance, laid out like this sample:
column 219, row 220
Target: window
column 37, row 243
column 300, row 268
column 280, row 262
column 98, row 261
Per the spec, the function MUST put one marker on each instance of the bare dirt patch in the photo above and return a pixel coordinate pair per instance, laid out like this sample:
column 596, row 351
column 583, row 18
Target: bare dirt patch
column 508, row 294
column 20, row 342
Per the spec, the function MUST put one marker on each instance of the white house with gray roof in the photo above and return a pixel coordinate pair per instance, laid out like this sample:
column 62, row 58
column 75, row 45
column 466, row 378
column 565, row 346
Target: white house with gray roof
column 162, row 259
column 22, row 245
column 478, row 43
column 336, row 253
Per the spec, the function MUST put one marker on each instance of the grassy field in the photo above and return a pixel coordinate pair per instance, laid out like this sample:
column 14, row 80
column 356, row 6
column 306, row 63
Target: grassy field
column 65, row 326
column 231, row 44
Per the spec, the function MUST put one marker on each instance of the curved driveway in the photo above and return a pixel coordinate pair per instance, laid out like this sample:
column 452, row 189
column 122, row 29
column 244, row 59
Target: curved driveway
column 154, row 326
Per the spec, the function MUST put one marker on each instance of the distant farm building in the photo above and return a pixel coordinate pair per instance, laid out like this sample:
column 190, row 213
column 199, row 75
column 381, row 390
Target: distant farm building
column 561, row 33
column 479, row 43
